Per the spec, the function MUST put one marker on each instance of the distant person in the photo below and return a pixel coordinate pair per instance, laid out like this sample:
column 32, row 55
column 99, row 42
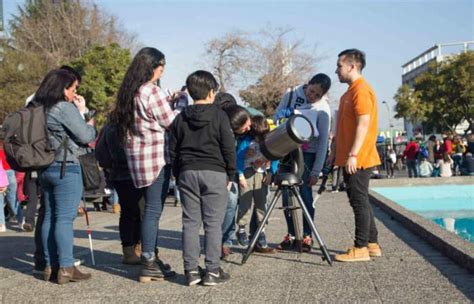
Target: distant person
column 467, row 167
column 202, row 150
column 410, row 155
column 426, row 168
column 447, row 145
column 458, row 151
column 356, row 151
column 438, row 154
column 445, row 165
column 430, row 145
column 391, row 161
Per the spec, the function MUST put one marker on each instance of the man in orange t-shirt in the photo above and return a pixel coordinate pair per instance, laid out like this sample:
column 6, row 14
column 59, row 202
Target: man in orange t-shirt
column 356, row 152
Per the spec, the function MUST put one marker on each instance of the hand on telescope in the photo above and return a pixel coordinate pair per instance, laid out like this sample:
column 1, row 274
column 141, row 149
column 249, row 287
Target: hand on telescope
column 351, row 165
column 313, row 180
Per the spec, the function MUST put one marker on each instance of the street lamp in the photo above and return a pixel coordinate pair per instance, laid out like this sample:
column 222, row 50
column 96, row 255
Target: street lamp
column 389, row 123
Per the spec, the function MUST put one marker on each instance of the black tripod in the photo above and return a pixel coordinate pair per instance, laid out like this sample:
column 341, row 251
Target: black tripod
column 289, row 182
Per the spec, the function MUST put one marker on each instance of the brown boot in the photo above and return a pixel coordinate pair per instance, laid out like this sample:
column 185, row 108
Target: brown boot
column 71, row 274
column 116, row 208
column 129, row 256
column 50, row 273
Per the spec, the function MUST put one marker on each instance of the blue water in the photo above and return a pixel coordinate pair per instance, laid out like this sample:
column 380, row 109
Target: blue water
column 449, row 206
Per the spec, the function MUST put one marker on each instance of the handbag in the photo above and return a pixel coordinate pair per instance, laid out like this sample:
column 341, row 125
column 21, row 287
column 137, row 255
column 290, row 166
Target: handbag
column 90, row 171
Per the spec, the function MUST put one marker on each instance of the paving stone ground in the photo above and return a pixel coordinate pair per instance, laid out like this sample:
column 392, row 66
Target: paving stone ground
column 409, row 271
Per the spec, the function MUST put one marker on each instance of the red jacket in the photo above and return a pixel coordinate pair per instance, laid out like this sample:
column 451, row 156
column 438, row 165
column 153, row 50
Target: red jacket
column 411, row 150
column 3, row 157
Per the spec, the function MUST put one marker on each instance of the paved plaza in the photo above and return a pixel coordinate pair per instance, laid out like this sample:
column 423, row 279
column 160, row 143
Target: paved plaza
column 409, row 271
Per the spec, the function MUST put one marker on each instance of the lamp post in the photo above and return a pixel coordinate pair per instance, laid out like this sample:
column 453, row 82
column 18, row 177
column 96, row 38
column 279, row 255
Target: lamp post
column 389, row 122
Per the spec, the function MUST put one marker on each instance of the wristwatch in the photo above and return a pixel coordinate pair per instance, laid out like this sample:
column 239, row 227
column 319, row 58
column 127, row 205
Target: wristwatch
column 352, row 155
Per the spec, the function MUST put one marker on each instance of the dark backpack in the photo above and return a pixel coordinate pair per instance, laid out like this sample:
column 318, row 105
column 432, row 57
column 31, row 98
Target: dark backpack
column 26, row 143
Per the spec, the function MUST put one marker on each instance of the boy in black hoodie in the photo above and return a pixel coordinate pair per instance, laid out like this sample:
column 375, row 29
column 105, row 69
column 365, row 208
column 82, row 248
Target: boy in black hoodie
column 202, row 152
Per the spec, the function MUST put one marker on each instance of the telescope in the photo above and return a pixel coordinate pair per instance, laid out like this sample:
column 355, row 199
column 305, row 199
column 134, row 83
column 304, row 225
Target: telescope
column 284, row 143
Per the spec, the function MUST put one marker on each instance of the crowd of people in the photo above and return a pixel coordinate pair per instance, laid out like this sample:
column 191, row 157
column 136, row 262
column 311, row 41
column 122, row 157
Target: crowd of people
column 209, row 145
column 451, row 156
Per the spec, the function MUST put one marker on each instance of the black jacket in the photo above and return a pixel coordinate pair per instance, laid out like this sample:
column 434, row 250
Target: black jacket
column 111, row 155
column 202, row 139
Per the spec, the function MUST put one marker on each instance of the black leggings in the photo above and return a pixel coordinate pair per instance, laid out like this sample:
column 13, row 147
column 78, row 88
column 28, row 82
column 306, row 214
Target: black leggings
column 130, row 222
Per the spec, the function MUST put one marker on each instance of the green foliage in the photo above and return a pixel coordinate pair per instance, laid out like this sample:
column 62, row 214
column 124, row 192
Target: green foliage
column 409, row 105
column 442, row 97
column 46, row 34
column 20, row 75
column 102, row 70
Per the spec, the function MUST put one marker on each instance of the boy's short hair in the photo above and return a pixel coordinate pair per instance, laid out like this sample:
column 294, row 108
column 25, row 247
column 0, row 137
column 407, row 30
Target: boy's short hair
column 200, row 83
column 354, row 55
column 260, row 127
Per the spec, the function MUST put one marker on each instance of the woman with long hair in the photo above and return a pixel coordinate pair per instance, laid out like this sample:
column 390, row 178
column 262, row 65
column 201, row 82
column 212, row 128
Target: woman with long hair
column 142, row 114
column 69, row 135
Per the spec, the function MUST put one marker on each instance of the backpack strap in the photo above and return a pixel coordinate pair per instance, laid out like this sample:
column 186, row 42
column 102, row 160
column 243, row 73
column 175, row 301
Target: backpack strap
column 64, row 144
column 288, row 105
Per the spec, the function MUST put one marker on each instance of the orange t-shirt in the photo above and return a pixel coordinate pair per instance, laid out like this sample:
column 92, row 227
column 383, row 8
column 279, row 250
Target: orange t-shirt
column 358, row 100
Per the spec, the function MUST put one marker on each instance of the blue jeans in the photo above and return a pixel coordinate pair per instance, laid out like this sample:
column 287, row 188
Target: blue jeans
column 151, row 218
column 228, row 226
column 306, row 193
column 11, row 198
column 61, row 200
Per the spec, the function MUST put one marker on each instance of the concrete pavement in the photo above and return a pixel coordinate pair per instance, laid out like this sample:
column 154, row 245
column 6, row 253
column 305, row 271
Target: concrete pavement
column 409, row 271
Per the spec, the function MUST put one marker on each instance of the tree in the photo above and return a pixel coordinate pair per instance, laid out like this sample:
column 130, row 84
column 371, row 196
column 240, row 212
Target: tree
column 102, row 69
column 229, row 56
column 46, row 34
column 280, row 65
column 19, row 78
column 443, row 96
column 61, row 31
column 409, row 105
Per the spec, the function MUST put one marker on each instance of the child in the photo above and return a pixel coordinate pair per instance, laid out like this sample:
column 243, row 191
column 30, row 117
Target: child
column 426, row 168
column 445, row 165
column 202, row 154
column 254, row 177
column 3, row 188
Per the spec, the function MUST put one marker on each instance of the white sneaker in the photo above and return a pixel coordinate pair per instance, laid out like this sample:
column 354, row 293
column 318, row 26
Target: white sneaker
column 3, row 228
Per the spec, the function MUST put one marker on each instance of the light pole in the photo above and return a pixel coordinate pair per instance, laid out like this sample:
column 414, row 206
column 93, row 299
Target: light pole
column 389, row 122
column 391, row 135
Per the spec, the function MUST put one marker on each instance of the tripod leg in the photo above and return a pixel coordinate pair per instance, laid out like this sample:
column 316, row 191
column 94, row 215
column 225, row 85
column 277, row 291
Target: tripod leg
column 261, row 226
column 324, row 250
column 296, row 221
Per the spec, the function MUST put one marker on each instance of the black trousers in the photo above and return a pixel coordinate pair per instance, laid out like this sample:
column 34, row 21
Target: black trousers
column 30, row 188
column 357, row 187
column 129, row 222
column 39, row 259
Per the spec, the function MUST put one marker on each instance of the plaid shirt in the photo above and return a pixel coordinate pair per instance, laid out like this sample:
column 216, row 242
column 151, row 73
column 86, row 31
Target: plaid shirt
column 146, row 150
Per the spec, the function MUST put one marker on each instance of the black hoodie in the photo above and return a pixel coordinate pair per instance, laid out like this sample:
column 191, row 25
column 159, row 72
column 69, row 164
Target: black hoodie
column 202, row 139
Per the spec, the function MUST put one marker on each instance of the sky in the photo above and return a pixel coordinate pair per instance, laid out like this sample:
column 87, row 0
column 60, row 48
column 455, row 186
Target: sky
column 390, row 32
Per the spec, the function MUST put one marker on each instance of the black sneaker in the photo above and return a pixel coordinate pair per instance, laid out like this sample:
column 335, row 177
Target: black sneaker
column 215, row 278
column 194, row 277
column 242, row 237
column 287, row 243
